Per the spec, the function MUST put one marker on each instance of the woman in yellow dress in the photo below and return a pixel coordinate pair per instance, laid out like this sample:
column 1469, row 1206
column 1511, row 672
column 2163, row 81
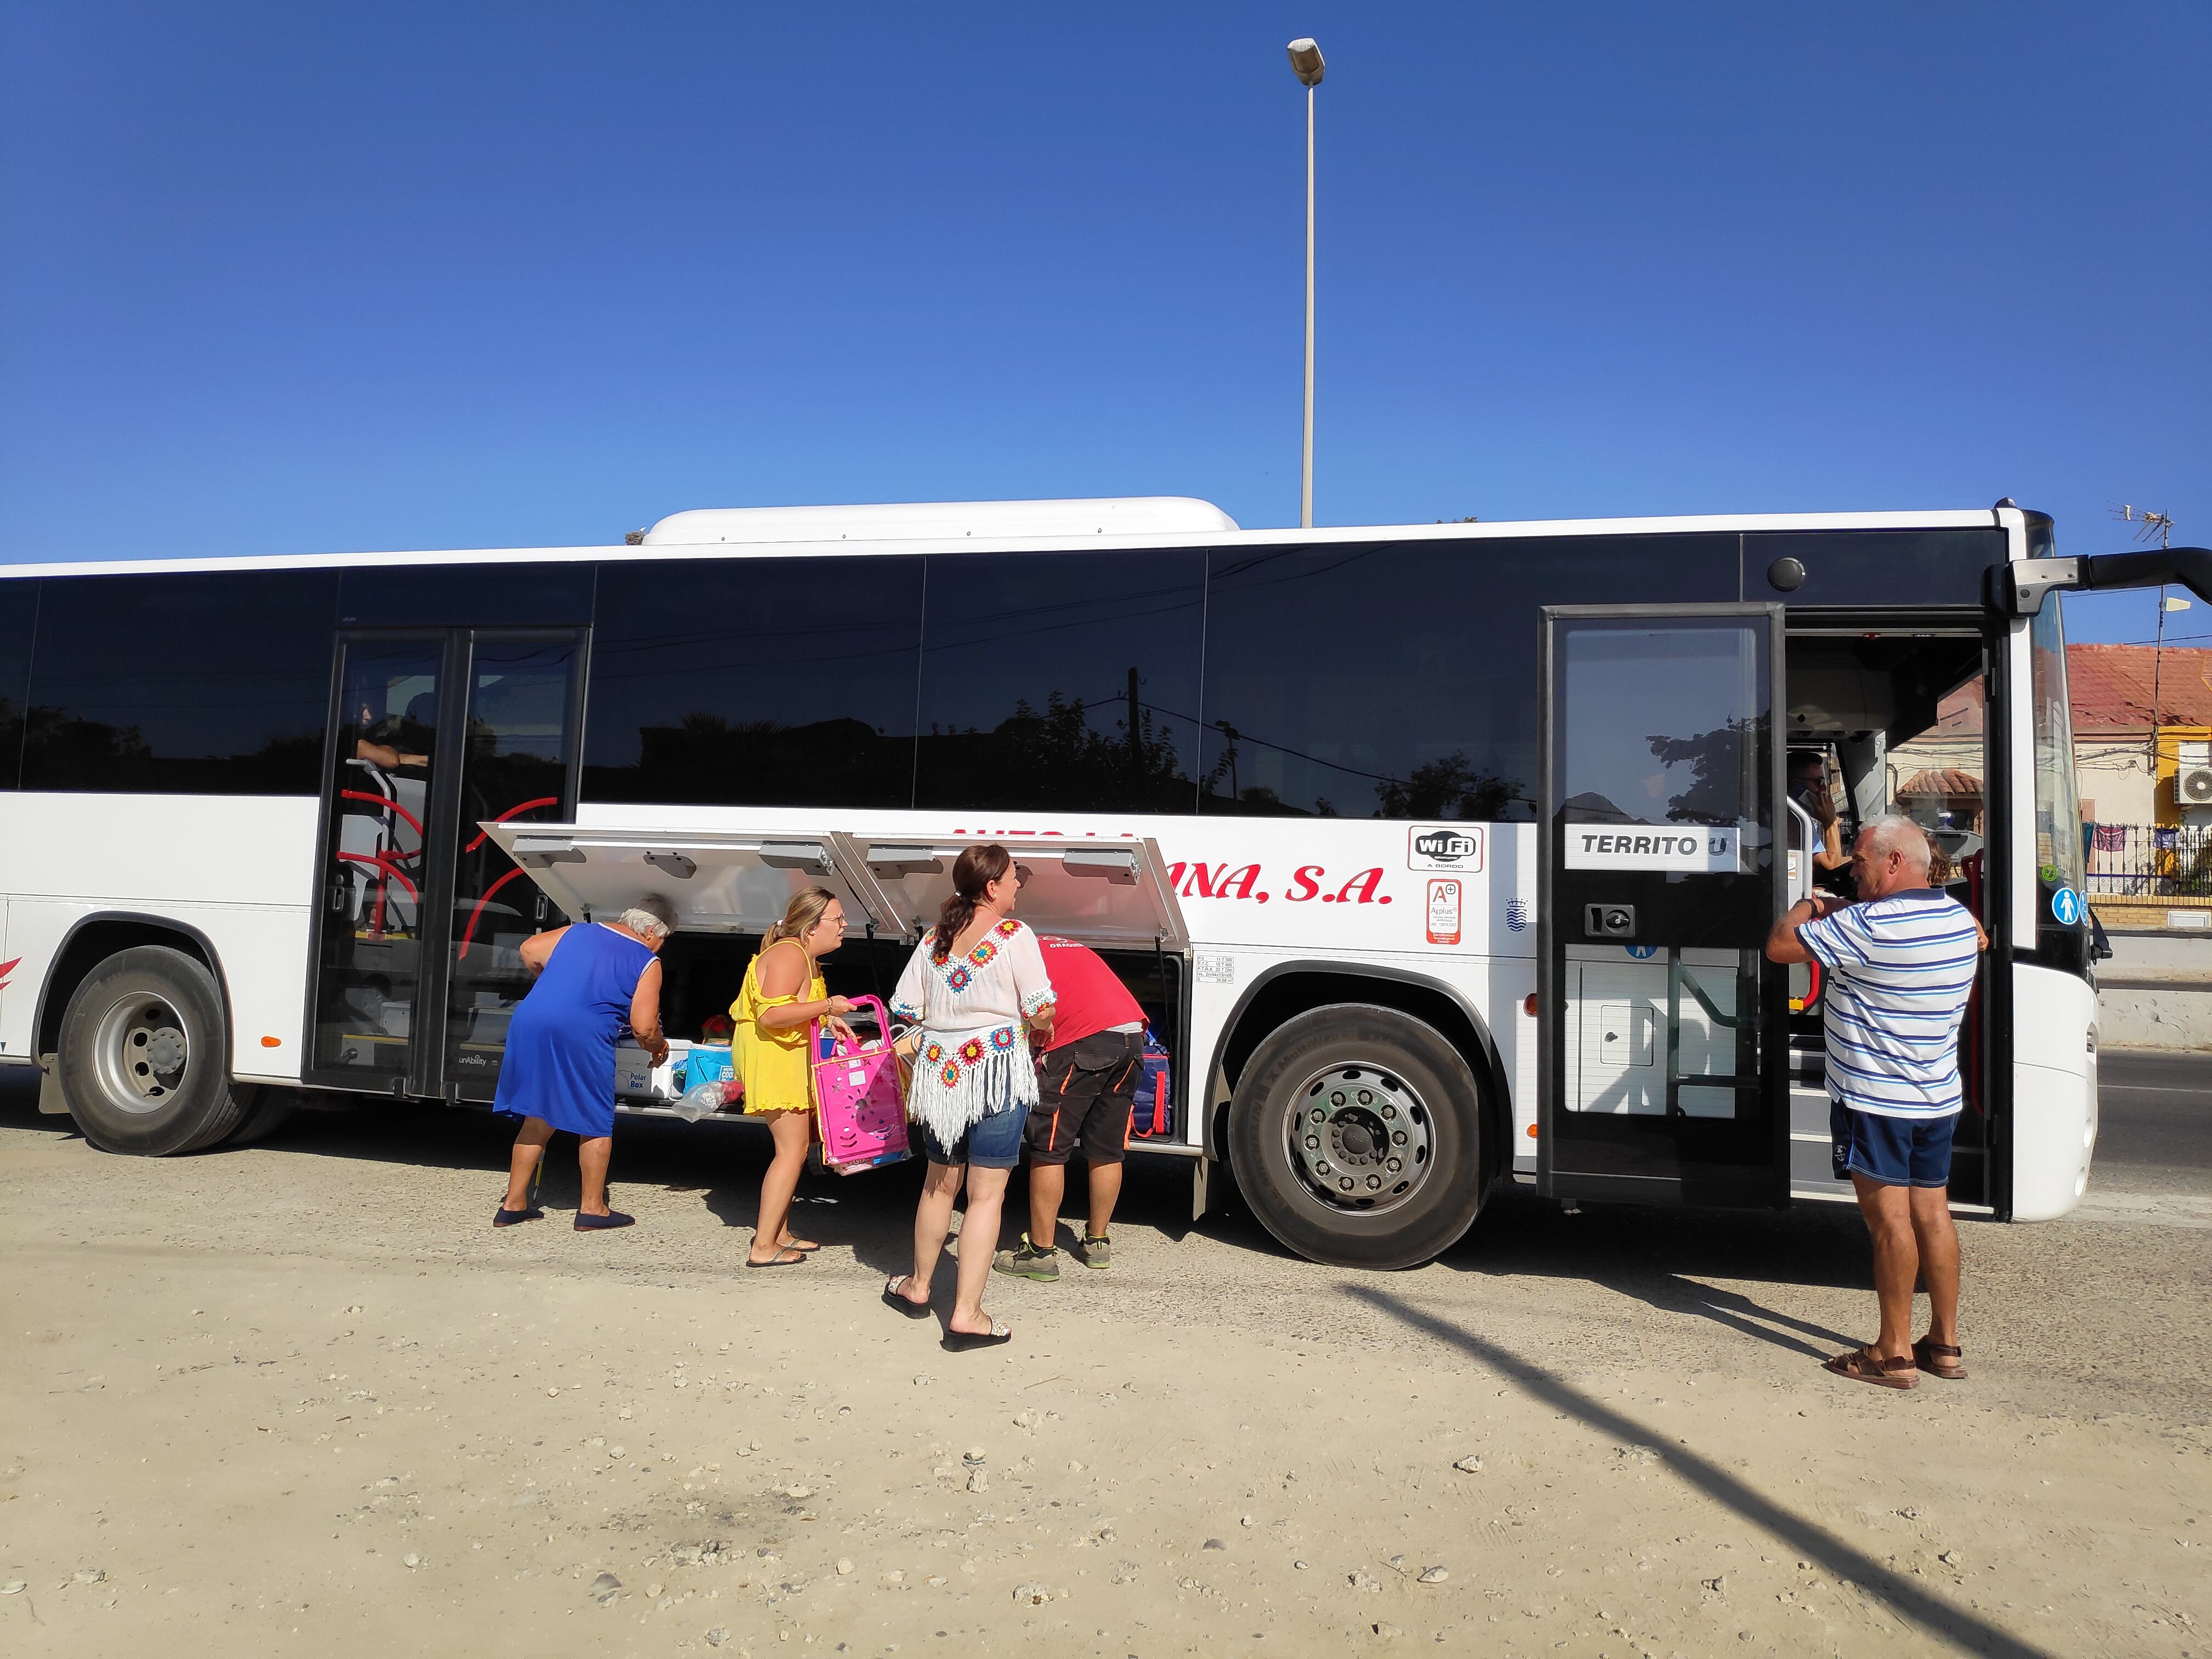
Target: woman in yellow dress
column 783, row 996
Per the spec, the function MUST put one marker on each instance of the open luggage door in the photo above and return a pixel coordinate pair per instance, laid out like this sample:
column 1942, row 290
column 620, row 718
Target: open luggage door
column 720, row 881
column 1107, row 893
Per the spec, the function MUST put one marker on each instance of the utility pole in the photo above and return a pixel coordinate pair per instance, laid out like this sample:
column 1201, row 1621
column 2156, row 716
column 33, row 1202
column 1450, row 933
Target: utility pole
column 1306, row 64
column 2161, row 526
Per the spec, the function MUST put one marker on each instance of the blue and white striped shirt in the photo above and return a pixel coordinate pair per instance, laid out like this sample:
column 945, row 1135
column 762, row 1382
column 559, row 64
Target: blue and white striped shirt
column 1898, row 970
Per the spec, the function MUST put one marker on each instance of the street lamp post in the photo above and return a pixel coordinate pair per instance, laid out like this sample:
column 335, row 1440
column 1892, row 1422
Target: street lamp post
column 1306, row 64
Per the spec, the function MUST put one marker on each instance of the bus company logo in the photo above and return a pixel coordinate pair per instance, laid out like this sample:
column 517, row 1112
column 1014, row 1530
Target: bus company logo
column 1444, row 847
column 6, row 968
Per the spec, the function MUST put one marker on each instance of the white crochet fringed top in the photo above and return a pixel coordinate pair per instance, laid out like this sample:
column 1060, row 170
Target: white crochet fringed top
column 974, row 1054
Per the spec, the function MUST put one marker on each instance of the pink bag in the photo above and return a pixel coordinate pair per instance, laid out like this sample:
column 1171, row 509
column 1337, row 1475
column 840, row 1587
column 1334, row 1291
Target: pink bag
column 856, row 1093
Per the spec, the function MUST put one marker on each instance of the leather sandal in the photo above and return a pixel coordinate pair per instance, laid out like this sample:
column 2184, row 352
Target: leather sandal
column 1863, row 1366
column 1938, row 1360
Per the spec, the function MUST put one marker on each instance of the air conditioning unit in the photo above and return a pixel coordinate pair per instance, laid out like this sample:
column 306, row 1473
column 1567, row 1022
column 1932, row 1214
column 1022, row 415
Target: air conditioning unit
column 2194, row 785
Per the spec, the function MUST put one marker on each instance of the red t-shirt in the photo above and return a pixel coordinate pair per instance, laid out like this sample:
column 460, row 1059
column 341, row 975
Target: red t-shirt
column 1088, row 997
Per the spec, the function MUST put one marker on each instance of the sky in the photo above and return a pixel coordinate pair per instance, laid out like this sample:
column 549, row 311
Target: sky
column 277, row 278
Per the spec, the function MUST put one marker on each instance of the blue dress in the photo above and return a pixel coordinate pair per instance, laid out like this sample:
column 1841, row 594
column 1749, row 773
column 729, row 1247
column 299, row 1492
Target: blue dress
column 560, row 1062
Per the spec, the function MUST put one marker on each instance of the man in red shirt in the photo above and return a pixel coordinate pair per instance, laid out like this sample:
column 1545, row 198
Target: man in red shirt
column 1087, row 1087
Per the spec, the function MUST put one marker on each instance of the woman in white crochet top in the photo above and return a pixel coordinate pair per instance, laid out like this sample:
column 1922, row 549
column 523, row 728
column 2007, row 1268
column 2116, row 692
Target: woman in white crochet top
column 976, row 991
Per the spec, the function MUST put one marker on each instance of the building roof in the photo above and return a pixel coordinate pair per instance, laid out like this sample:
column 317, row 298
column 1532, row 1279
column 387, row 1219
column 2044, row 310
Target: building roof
column 2110, row 686
column 1940, row 781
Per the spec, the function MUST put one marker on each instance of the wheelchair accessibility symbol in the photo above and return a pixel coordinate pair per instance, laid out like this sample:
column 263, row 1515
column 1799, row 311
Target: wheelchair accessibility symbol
column 2066, row 906
column 1641, row 953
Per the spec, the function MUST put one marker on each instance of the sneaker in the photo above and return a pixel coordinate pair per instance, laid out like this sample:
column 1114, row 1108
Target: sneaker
column 1028, row 1261
column 1095, row 1252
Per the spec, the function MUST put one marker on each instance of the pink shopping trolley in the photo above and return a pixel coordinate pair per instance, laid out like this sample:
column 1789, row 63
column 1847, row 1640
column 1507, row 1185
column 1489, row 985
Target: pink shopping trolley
column 856, row 1091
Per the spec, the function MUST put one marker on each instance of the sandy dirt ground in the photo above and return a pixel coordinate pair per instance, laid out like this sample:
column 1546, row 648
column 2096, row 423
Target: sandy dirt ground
column 301, row 1399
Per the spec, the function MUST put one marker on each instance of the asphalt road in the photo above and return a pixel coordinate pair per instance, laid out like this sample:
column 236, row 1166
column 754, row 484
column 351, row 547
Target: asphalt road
column 2155, row 1131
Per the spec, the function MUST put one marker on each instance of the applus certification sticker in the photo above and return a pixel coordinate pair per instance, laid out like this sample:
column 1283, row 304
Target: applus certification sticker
column 1444, row 911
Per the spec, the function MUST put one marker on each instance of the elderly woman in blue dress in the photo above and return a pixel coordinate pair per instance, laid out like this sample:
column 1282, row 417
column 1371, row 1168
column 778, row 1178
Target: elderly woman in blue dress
column 592, row 980
column 978, row 992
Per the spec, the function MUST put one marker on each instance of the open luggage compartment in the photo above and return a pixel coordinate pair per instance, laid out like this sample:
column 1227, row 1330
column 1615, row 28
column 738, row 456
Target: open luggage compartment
column 729, row 884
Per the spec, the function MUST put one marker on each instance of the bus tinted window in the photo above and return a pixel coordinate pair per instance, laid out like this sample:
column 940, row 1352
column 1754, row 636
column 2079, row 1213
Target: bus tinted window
column 1030, row 662
column 467, row 596
column 755, row 682
column 200, row 683
column 1863, row 568
column 1398, row 680
column 19, row 615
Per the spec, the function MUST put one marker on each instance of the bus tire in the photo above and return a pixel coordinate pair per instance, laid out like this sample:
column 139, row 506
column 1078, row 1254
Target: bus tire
column 1389, row 1173
column 270, row 1109
column 145, row 1055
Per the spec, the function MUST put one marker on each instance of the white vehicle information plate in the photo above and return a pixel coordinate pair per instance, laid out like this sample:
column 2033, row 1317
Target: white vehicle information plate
column 1700, row 850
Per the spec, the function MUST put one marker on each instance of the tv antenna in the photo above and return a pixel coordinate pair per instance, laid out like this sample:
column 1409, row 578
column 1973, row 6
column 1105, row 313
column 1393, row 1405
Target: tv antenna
column 2159, row 525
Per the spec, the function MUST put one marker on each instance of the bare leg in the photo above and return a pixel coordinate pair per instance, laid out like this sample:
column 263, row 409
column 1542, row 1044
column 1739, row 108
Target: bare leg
column 1888, row 1215
column 1938, row 1242
column 932, row 1217
column 979, row 1238
column 522, row 1164
column 1105, row 1193
column 1047, row 1186
column 791, row 1132
column 592, row 1157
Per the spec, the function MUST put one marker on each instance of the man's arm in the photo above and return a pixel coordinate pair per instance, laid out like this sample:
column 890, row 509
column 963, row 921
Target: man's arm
column 1782, row 944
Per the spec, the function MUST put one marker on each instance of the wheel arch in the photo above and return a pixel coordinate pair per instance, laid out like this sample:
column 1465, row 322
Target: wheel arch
column 94, row 938
column 1285, row 990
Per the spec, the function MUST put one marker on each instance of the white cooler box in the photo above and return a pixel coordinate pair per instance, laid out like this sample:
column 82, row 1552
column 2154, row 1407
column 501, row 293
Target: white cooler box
column 638, row 1080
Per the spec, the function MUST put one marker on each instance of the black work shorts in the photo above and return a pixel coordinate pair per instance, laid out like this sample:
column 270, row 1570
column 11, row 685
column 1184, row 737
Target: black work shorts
column 1085, row 1092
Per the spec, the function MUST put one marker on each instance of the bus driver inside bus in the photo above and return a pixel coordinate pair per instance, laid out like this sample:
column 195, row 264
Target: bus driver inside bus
column 384, row 742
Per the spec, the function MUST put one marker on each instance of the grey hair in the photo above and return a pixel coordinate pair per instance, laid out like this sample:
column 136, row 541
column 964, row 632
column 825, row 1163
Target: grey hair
column 1893, row 834
column 651, row 915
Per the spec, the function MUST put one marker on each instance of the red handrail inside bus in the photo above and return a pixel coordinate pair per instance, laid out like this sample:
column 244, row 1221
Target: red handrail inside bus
column 528, row 805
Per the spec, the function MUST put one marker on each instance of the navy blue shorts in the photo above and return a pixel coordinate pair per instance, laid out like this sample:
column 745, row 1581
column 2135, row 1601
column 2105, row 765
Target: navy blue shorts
column 994, row 1144
column 1893, row 1152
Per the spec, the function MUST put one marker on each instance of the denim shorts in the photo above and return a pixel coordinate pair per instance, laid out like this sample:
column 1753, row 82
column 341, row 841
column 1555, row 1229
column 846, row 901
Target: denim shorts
column 994, row 1144
column 1891, row 1151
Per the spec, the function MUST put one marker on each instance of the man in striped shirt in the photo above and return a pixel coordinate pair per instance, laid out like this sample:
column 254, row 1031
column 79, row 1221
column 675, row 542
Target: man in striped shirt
column 1897, row 966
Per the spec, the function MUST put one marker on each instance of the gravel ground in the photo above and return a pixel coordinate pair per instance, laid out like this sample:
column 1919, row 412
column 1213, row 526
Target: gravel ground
column 300, row 1398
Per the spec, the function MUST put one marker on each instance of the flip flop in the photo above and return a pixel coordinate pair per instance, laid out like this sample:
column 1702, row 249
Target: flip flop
column 804, row 1250
column 798, row 1259
column 1938, row 1360
column 906, row 1305
column 1863, row 1367
column 962, row 1342
column 503, row 1217
column 593, row 1223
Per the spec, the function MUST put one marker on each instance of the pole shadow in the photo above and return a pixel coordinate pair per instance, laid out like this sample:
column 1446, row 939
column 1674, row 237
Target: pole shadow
column 1909, row 1601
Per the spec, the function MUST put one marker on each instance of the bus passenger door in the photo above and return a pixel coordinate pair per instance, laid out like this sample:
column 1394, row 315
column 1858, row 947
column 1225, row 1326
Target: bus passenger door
column 419, row 912
column 1663, row 1029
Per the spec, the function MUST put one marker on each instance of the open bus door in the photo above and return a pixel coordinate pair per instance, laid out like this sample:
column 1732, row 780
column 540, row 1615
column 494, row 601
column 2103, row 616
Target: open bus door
column 1662, row 1074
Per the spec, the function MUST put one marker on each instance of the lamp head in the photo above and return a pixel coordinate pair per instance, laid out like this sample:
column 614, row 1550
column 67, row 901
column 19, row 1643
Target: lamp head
column 1305, row 62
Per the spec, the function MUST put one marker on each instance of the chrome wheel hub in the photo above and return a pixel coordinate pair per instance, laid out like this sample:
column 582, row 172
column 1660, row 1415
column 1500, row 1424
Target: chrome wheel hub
column 1360, row 1137
column 142, row 1053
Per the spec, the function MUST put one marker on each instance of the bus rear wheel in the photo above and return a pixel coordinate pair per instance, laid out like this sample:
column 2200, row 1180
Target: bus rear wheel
column 145, row 1056
column 1355, row 1134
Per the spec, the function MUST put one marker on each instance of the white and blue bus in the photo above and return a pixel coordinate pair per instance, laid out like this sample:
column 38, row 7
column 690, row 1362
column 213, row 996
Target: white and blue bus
column 1442, row 855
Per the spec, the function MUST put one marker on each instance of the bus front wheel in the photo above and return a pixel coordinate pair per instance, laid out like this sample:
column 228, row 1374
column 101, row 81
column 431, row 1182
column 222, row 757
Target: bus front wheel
column 144, row 1056
column 1355, row 1134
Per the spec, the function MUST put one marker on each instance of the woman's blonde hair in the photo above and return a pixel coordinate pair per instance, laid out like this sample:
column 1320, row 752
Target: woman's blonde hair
column 799, row 916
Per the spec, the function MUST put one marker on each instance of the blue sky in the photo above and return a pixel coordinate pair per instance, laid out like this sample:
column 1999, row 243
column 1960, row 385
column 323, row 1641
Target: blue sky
column 276, row 278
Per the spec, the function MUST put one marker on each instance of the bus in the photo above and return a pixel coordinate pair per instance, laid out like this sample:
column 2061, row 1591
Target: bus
column 1440, row 856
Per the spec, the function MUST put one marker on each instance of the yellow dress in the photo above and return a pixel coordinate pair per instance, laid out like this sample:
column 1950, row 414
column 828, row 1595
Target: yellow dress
column 772, row 1064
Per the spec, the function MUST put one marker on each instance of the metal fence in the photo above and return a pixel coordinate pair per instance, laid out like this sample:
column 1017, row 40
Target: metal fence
column 2150, row 860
